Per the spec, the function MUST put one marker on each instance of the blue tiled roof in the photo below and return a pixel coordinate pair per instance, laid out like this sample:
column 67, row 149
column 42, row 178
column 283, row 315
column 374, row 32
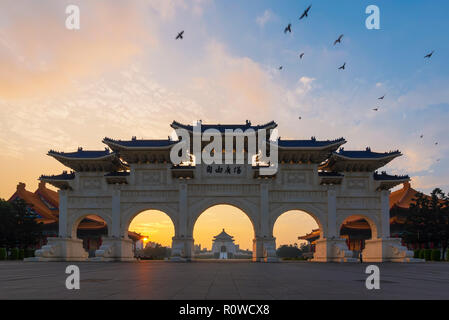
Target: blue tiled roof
column 63, row 176
column 366, row 154
column 82, row 154
column 134, row 143
column 223, row 127
column 385, row 176
column 312, row 143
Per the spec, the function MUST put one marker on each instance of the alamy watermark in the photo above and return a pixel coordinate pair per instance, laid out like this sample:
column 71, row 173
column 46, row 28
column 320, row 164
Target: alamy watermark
column 373, row 20
column 373, row 280
column 73, row 280
column 72, row 21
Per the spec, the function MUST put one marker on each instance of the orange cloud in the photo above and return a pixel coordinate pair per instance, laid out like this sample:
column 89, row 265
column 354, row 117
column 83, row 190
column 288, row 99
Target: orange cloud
column 39, row 56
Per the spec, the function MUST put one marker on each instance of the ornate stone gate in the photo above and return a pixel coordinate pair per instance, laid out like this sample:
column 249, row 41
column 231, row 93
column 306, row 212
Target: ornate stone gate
column 137, row 175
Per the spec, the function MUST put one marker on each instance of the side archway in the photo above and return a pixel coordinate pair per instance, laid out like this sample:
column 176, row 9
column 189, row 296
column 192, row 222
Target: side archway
column 356, row 229
column 128, row 216
column 317, row 213
column 75, row 219
column 91, row 229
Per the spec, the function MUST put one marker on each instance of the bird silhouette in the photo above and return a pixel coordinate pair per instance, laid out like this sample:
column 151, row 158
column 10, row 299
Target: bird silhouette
column 288, row 28
column 429, row 55
column 436, row 143
column 381, row 98
column 421, row 136
column 281, row 67
column 338, row 40
column 300, row 118
column 305, row 13
column 376, row 109
column 342, row 67
column 180, row 35
column 301, row 55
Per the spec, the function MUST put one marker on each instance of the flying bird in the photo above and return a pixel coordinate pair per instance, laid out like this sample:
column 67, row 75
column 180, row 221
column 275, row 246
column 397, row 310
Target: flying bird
column 300, row 118
column 180, row 35
column 436, row 143
column 281, row 67
column 376, row 109
column 288, row 28
column 381, row 98
column 301, row 55
column 305, row 13
column 338, row 40
column 342, row 67
column 421, row 136
column 429, row 55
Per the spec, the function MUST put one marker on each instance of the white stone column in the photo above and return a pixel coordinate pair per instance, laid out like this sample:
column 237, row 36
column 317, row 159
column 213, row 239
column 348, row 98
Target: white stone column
column 264, row 214
column 183, row 209
column 115, row 228
column 385, row 214
column 331, row 213
column 63, row 232
column 182, row 242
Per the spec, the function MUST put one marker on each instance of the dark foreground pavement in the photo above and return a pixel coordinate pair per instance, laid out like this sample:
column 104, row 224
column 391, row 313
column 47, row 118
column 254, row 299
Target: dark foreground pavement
column 222, row 280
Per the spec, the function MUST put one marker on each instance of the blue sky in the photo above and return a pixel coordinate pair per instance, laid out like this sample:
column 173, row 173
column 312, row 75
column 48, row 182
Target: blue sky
column 123, row 74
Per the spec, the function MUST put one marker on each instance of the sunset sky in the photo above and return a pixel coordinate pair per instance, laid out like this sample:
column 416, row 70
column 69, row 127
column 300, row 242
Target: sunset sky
column 123, row 74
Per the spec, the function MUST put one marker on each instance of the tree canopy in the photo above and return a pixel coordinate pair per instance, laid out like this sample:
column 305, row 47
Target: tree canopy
column 428, row 220
column 18, row 226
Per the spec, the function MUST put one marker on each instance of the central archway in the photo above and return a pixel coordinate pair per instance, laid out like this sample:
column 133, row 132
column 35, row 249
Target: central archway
column 223, row 231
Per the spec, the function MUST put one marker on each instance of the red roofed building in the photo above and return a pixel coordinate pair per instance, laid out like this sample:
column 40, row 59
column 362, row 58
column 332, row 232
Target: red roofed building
column 44, row 205
column 356, row 230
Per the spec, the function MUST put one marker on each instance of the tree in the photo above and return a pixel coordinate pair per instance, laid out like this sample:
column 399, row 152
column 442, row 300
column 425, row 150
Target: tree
column 290, row 251
column 6, row 223
column 18, row 226
column 428, row 220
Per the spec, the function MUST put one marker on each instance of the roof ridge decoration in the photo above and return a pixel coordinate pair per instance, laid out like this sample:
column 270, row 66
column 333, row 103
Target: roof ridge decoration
column 175, row 125
column 64, row 175
column 80, row 151
column 385, row 176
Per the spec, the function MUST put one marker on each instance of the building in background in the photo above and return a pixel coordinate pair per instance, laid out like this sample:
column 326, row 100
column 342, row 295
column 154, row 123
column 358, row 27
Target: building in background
column 223, row 246
column 357, row 230
column 43, row 204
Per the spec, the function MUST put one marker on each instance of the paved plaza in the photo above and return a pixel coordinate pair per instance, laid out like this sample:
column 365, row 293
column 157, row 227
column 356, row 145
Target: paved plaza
column 222, row 280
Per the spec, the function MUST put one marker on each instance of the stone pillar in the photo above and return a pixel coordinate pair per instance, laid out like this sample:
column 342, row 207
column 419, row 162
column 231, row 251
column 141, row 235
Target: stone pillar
column 115, row 249
column 182, row 248
column 264, row 207
column 183, row 209
column 385, row 214
column 264, row 244
column 332, row 250
column 257, row 249
column 264, row 249
column 331, row 214
column 116, row 224
column 182, row 243
column 63, row 232
column 383, row 248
